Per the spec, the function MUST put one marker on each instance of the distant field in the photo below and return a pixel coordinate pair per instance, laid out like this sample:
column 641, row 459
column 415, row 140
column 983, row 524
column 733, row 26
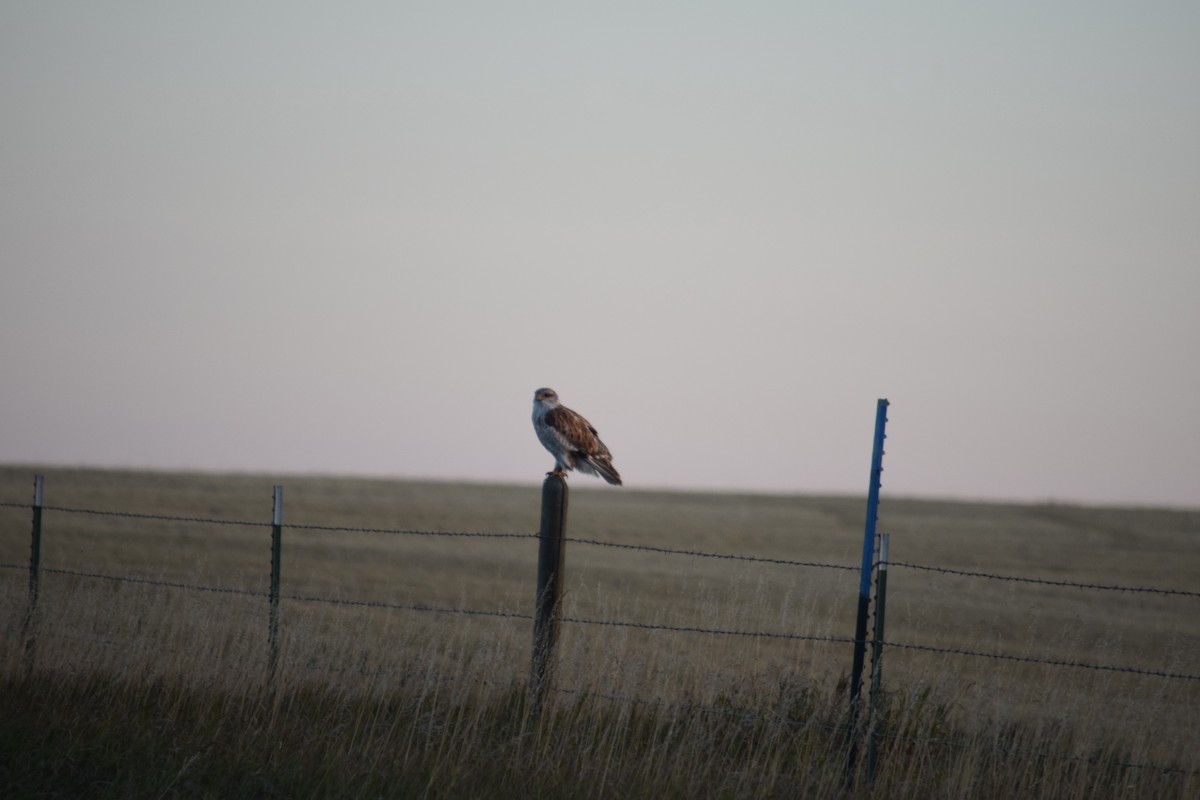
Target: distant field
column 87, row 623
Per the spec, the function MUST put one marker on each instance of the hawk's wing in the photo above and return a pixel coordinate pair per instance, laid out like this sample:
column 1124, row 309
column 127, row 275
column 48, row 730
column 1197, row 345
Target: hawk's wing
column 580, row 439
column 576, row 433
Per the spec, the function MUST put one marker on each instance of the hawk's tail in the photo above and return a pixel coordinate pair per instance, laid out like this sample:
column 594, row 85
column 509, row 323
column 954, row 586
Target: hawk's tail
column 600, row 465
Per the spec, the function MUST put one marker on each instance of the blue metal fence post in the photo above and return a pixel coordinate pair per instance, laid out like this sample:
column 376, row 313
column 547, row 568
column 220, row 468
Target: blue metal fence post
column 864, row 584
column 876, row 695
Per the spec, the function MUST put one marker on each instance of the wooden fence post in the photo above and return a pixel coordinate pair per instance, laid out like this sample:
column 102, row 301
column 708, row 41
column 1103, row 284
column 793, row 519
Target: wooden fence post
column 276, row 547
column 35, row 572
column 548, row 608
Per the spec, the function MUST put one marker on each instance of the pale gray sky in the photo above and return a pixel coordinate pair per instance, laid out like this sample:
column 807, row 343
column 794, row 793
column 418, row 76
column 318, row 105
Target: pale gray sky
column 355, row 237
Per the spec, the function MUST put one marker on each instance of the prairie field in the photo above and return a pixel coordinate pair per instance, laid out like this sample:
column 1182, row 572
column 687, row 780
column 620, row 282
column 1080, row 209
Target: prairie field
column 403, row 655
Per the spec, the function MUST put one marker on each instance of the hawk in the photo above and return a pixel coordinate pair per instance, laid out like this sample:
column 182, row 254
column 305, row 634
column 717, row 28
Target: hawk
column 570, row 438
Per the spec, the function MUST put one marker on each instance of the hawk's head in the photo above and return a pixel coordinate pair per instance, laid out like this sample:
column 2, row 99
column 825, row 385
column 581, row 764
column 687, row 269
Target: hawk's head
column 546, row 397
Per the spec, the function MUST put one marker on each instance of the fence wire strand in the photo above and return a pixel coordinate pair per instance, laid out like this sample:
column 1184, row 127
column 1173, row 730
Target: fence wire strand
column 449, row 534
column 427, row 608
column 154, row 582
column 704, row 554
column 421, row 607
column 655, row 626
column 403, row 532
column 1045, row 581
column 956, row 651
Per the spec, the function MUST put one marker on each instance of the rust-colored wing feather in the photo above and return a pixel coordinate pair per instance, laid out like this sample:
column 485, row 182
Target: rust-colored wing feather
column 582, row 443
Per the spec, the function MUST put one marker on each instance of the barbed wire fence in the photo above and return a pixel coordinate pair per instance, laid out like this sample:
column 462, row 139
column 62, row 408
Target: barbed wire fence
column 36, row 569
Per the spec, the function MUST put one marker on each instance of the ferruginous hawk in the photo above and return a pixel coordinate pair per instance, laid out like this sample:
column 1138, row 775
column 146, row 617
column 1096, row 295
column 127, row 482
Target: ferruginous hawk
column 570, row 438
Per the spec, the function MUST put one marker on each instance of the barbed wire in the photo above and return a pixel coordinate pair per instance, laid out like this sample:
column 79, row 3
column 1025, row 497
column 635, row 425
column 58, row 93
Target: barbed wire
column 705, row 554
column 1038, row 660
column 155, row 582
column 655, row 626
column 609, row 544
column 136, row 515
column 424, row 607
column 260, row 524
column 1044, row 581
column 460, row 534
column 404, row 532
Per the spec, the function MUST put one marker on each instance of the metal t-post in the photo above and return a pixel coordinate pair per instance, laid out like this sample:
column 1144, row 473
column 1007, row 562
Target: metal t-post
column 864, row 584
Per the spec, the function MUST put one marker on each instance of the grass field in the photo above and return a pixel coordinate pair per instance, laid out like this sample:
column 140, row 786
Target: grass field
column 145, row 689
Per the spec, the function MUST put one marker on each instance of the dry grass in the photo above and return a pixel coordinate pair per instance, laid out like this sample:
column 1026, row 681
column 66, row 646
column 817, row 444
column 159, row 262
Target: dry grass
column 960, row 725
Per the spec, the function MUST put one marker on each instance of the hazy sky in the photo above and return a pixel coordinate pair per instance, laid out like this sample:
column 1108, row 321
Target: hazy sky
column 355, row 237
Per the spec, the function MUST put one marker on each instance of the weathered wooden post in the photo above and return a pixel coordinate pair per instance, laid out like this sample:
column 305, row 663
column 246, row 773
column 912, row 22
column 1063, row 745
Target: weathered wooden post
column 276, row 547
column 35, row 572
column 548, row 608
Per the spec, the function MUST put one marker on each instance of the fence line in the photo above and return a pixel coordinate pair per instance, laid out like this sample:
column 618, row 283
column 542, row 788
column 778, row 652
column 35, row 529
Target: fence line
column 609, row 544
column 504, row 614
column 419, row 607
column 425, row 607
column 654, row 626
column 449, row 534
column 259, row 524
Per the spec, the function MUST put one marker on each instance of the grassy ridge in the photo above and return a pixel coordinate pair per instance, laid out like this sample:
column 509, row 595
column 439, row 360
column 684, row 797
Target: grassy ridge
column 141, row 689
